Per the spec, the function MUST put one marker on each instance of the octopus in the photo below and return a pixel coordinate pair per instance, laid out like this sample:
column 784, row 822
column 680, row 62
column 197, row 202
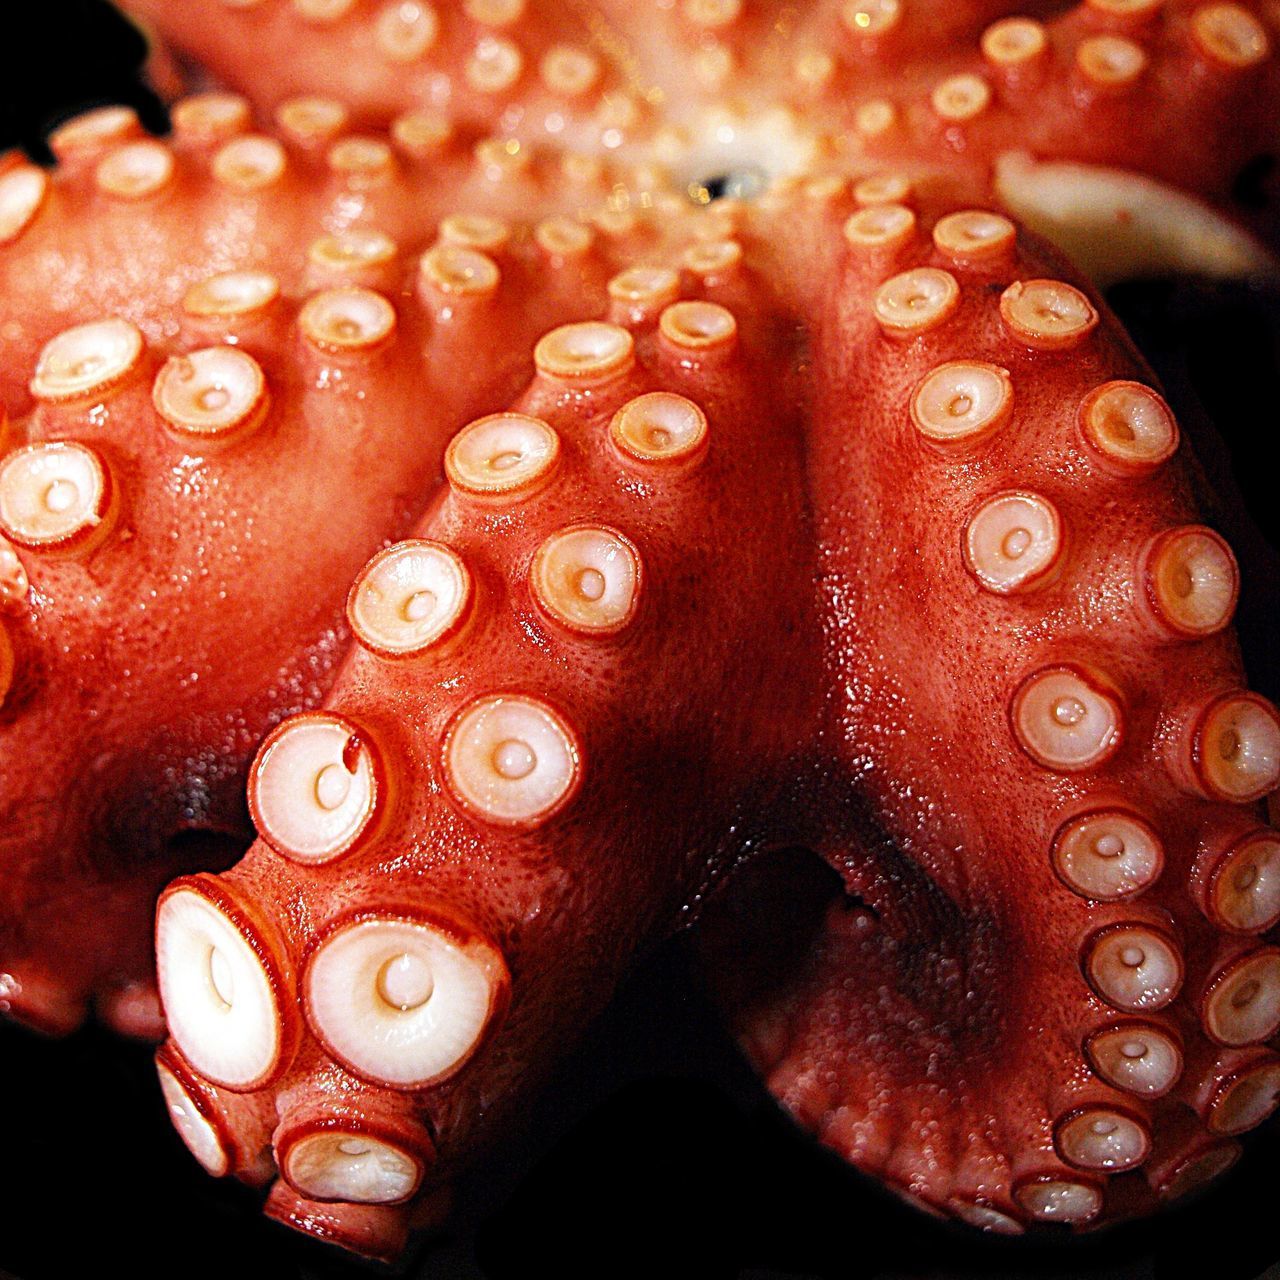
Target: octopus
column 554, row 470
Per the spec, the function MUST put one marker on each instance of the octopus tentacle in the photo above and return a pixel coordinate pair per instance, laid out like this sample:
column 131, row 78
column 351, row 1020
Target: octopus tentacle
column 850, row 411
column 898, row 81
column 104, row 534
column 308, row 201
column 491, row 64
column 181, row 425
column 1020, row 1067
column 963, row 374
column 450, row 876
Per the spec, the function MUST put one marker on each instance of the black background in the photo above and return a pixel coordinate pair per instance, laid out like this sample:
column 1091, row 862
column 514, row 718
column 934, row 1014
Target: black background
column 654, row 1152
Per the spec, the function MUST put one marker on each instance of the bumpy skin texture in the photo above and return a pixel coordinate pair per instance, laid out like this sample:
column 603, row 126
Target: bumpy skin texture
column 984, row 523
column 1184, row 91
column 563, row 900
column 1140, row 136
column 976, row 1015
column 125, row 720
column 946, row 1031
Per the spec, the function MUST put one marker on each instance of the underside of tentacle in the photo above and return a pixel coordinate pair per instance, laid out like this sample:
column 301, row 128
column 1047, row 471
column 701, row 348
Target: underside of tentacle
column 548, row 464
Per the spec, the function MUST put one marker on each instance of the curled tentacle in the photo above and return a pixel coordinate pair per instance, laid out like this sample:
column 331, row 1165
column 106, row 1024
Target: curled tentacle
column 990, row 676
column 1061, row 719
column 450, row 879
column 236, row 365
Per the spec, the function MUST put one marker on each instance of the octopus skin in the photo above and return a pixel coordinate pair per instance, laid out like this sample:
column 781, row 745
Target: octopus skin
column 994, row 542
column 179, row 429
column 1176, row 91
column 897, row 537
column 953, row 1003
column 495, row 878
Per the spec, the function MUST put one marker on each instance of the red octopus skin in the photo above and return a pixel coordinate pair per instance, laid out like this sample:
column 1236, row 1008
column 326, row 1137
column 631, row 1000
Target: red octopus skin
column 1181, row 90
column 1182, row 1138
column 537, row 900
column 982, row 1031
column 934, row 381
column 340, row 358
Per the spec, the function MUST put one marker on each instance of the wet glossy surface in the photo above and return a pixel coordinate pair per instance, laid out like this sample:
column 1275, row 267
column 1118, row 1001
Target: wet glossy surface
column 654, row 1147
